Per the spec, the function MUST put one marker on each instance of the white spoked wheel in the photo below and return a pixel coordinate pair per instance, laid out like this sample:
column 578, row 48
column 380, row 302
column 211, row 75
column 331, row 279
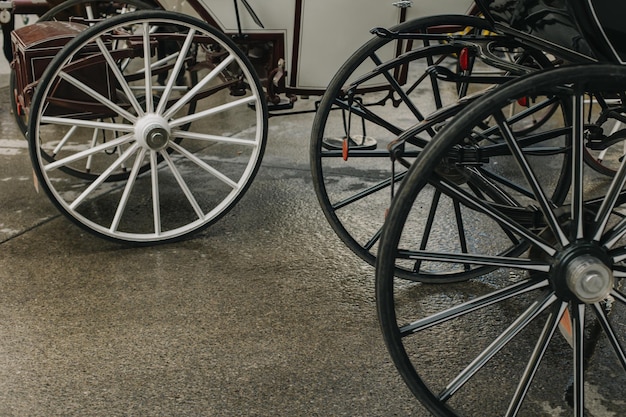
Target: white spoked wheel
column 147, row 127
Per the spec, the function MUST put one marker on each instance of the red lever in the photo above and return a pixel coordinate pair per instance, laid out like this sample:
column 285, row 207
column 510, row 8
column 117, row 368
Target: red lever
column 464, row 59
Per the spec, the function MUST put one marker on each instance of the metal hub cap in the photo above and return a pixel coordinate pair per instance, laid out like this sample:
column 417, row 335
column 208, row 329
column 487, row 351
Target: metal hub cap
column 152, row 132
column 589, row 279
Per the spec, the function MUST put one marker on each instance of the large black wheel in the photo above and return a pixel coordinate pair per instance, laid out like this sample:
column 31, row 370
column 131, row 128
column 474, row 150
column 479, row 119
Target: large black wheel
column 379, row 111
column 164, row 103
column 544, row 329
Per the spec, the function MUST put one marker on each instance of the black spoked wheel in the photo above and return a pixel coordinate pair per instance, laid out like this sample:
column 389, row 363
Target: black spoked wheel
column 379, row 111
column 543, row 329
column 84, row 11
column 160, row 101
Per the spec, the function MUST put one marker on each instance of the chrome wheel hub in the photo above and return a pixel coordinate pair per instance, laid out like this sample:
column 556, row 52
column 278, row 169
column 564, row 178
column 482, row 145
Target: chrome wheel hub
column 153, row 132
column 589, row 279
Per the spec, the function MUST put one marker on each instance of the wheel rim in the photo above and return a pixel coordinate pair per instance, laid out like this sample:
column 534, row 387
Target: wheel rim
column 354, row 187
column 567, row 284
column 182, row 148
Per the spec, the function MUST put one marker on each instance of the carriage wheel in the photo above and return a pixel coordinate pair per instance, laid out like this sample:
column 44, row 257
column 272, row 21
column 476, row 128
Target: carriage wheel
column 374, row 98
column 93, row 9
column 117, row 101
column 457, row 346
column 81, row 9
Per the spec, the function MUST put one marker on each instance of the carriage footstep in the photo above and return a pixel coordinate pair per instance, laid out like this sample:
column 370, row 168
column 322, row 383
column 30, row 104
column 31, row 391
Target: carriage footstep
column 356, row 142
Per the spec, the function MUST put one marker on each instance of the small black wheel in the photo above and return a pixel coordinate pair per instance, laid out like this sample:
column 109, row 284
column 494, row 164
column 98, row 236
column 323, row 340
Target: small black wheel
column 388, row 100
column 93, row 10
column 459, row 346
column 161, row 100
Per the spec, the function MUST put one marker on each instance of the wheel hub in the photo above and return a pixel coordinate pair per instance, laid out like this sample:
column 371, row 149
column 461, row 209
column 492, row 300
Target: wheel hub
column 153, row 132
column 588, row 278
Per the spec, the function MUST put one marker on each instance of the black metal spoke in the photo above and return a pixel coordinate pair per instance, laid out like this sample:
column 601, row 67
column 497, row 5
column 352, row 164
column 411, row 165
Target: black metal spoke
column 473, row 305
column 577, row 167
column 526, row 113
column 552, row 323
column 483, row 207
column 486, row 184
column 544, row 203
column 506, row 182
column 434, row 203
column 473, row 259
column 369, row 191
column 412, row 56
column 398, row 89
column 578, row 329
column 603, row 318
column 526, row 142
column 606, row 209
column 460, row 229
column 619, row 296
column 375, row 238
column 505, row 337
column 363, row 112
column 613, row 235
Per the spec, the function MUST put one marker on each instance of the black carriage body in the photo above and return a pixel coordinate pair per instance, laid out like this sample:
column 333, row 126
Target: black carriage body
column 602, row 24
column 576, row 30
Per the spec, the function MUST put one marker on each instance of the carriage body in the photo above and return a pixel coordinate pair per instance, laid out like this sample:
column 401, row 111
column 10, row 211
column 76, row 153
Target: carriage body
column 578, row 30
column 292, row 43
column 35, row 46
column 304, row 42
column 310, row 39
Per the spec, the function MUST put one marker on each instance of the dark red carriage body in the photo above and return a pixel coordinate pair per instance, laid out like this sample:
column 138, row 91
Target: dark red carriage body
column 34, row 46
